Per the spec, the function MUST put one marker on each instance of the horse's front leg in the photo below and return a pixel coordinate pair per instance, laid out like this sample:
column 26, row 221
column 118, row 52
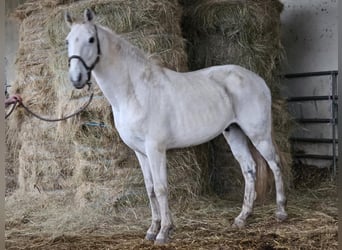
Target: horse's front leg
column 157, row 159
column 155, row 225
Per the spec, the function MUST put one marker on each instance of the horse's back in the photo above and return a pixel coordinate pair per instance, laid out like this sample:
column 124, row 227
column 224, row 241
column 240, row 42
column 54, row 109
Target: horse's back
column 241, row 86
column 237, row 79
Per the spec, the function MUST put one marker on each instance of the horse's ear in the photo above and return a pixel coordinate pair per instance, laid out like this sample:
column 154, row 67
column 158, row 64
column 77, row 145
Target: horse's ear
column 88, row 15
column 68, row 19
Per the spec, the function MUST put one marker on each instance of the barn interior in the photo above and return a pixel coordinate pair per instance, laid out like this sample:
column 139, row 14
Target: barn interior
column 75, row 185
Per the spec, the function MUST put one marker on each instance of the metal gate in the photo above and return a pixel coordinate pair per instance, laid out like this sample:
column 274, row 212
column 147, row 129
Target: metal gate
column 332, row 97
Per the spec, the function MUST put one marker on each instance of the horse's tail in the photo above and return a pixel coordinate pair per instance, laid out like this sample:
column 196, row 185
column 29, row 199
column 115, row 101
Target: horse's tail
column 263, row 174
column 264, row 177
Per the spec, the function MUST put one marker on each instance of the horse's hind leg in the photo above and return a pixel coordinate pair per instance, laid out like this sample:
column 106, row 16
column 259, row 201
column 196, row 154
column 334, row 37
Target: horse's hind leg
column 264, row 144
column 239, row 146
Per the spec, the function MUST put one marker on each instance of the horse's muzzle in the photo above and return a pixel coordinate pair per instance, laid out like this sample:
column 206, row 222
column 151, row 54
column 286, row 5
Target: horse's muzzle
column 77, row 81
column 79, row 86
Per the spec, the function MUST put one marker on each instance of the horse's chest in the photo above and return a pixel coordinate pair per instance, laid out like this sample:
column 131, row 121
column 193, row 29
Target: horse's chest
column 131, row 130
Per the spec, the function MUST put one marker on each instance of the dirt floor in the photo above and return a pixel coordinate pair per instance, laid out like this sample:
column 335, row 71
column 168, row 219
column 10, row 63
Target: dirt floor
column 203, row 224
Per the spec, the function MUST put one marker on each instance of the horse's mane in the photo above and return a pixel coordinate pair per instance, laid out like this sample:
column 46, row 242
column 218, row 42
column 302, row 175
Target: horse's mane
column 124, row 47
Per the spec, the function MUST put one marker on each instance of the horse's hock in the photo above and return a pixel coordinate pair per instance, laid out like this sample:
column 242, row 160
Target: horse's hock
column 85, row 153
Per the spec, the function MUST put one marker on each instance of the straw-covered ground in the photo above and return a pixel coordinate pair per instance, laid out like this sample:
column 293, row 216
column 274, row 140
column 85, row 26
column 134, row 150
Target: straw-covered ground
column 45, row 222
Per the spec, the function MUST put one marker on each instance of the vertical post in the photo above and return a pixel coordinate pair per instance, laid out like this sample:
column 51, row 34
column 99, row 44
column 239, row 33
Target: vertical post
column 2, row 127
column 334, row 118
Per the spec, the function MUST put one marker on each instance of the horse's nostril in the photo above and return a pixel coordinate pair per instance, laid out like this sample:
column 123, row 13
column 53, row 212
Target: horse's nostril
column 79, row 77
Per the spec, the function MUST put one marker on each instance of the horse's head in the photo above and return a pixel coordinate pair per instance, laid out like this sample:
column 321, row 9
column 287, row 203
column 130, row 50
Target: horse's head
column 83, row 48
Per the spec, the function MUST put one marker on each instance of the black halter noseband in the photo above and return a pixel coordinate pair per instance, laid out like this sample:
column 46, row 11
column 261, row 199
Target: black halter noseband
column 91, row 67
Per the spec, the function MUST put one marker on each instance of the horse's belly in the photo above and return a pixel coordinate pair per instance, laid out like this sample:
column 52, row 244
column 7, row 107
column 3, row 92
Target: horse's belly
column 192, row 138
column 202, row 126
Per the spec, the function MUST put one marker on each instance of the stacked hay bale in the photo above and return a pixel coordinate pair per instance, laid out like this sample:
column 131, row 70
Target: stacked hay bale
column 246, row 33
column 34, row 141
column 85, row 153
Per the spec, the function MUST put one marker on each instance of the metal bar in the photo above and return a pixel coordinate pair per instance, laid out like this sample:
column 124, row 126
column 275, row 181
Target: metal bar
column 316, row 120
column 309, row 74
column 314, row 156
column 313, row 140
column 312, row 98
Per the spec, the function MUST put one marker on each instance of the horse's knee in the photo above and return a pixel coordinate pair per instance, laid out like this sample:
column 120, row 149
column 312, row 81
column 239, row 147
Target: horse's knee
column 149, row 189
column 160, row 190
column 151, row 193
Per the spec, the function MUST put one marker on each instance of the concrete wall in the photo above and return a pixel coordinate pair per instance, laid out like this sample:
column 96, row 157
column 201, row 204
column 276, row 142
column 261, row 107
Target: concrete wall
column 310, row 38
column 310, row 35
column 11, row 40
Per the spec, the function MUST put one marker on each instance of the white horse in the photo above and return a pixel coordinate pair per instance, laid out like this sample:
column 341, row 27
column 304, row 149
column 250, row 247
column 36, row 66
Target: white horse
column 156, row 109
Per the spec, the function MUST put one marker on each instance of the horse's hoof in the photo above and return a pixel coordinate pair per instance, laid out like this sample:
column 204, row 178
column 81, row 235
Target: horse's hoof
column 281, row 216
column 161, row 241
column 150, row 237
column 238, row 223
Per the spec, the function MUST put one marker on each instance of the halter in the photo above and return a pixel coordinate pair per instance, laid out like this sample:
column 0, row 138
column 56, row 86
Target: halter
column 91, row 67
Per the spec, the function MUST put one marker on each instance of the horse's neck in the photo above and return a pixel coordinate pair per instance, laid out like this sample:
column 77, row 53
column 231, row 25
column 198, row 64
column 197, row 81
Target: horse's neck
column 119, row 74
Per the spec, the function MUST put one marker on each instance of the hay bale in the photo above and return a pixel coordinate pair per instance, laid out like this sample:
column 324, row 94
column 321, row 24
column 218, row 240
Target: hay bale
column 243, row 32
column 246, row 33
column 33, row 144
column 43, row 164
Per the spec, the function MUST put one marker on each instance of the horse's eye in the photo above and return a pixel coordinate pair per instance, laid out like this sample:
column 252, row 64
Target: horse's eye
column 91, row 40
column 66, row 42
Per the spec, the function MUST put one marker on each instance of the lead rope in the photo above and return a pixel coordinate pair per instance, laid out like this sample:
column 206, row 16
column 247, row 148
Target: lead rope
column 12, row 109
column 49, row 119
